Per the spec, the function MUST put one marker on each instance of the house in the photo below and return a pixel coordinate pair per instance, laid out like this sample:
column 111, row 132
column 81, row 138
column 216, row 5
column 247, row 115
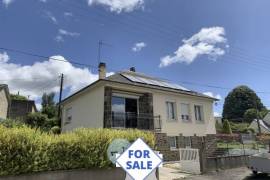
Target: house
column 267, row 118
column 264, row 124
column 129, row 99
column 218, row 119
column 265, row 128
column 4, row 101
column 19, row 109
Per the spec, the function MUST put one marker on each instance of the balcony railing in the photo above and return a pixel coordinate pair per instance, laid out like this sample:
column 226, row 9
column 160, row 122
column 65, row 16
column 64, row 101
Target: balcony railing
column 134, row 120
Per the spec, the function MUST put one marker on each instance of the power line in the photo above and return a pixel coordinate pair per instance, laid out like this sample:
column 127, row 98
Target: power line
column 73, row 62
column 46, row 57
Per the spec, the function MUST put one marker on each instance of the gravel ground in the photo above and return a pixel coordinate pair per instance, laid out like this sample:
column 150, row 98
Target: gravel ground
column 231, row 174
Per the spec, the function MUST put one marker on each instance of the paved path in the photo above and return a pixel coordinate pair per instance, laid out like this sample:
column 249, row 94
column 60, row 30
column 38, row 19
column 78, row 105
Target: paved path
column 231, row 174
column 166, row 173
column 171, row 174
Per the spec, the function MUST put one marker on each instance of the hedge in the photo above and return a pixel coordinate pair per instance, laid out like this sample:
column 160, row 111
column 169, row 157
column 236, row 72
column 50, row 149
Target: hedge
column 26, row 150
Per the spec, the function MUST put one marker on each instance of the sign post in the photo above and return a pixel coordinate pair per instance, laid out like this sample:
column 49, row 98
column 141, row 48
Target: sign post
column 139, row 160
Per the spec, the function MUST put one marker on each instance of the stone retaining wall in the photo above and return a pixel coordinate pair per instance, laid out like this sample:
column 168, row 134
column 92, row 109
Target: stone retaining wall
column 218, row 163
column 205, row 144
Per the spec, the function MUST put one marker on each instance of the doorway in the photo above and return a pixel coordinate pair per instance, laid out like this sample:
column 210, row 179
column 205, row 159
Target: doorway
column 124, row 112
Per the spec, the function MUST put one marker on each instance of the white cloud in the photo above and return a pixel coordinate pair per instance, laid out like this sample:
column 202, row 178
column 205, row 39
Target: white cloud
column 38, row 105
column 43, row 76
column 217, row 114
column 4, row 57
column 68, row 14
column 138, row 46
column 119, row 5
column 62, row 33
column 7, row 2
column 211, row 94
column 50, row 16
column 209, row 41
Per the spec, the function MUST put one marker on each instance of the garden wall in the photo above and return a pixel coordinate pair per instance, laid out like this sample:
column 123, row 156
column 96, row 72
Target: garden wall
column 100, row 174
column 218, row 163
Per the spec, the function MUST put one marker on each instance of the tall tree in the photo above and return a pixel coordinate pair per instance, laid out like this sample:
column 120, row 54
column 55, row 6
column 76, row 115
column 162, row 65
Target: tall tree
column 48, row 105
column 238, row 101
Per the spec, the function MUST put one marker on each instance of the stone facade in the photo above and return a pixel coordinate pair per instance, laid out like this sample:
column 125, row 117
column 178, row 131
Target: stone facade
column 163, row 147
column 206, row 144
column 107, row 107
column 145, row 119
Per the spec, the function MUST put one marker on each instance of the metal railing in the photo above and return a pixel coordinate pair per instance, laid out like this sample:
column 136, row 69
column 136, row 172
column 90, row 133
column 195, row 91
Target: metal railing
column 134, row 120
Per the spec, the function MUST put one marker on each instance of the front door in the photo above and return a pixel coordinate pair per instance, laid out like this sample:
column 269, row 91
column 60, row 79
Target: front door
column 131, row 111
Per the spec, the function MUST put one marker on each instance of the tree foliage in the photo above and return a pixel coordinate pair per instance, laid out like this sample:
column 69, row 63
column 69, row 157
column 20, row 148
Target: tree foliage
column 251, row 114
column 238, row 101
column 17, row 97
column 48, row 105
column 41, row 121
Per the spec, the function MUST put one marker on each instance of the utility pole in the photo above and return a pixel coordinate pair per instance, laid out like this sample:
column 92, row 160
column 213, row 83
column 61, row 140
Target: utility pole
column 60, row 98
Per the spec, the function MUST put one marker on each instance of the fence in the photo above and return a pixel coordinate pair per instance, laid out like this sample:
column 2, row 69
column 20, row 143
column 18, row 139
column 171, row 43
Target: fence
column 237, row 145
column 190, row 160
column 132, row 120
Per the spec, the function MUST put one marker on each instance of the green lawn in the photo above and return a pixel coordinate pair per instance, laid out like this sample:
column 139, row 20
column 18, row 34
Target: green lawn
column 235, row 145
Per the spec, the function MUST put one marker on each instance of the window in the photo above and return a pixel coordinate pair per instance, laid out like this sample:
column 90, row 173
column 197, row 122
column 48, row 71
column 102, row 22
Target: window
column 185, row 112
column 68, row 115
column 172, row 142
column 187, row 141
column 170, row 110
column 198, row 113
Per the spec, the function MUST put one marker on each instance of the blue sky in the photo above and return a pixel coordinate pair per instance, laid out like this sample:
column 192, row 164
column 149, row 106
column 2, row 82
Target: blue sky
column 71, row 30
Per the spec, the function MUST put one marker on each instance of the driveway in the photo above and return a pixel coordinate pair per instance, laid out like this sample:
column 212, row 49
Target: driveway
column 231, row 174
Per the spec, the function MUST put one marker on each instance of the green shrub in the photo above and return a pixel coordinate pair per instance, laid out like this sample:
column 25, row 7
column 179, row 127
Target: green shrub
column 36, row 119
column 55, row 130
column 227, row 127
column 10, row 123
column 25, row 150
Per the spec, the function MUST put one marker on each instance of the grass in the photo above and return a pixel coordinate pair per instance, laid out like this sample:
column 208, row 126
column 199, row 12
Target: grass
column 237, row 145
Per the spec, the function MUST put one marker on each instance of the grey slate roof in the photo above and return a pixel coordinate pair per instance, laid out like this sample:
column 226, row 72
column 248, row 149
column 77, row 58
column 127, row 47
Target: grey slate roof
column 120, row 78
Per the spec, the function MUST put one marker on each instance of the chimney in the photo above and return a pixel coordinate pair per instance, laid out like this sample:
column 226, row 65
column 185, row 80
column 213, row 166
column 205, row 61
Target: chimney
column 132, row 69
column 101, row 70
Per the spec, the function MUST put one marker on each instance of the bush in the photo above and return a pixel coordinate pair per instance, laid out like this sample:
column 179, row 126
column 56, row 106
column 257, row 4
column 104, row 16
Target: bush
column 39, row 120
column 239, row 127
column 36, row 119
column 25, row 150
column 9, row 123
column 56, row 130
column 227, row 127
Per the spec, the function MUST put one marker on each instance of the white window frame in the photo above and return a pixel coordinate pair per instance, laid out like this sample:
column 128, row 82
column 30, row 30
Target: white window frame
column 175, row 143
column 68, row 115
column 181, row 113
column 174, row 111
column 201, row 113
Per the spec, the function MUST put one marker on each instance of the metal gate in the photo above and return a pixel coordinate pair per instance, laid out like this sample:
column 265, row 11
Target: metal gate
column 190, row 160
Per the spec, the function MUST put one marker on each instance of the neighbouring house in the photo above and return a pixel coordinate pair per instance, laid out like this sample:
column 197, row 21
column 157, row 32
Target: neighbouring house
column 264, row 124
column 19, row 109
column 4, row 101
column 129, row 99
column 218, row 119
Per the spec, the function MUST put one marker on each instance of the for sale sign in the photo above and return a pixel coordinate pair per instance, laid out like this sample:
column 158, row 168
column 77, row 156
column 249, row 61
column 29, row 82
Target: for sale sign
column 139, row 160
